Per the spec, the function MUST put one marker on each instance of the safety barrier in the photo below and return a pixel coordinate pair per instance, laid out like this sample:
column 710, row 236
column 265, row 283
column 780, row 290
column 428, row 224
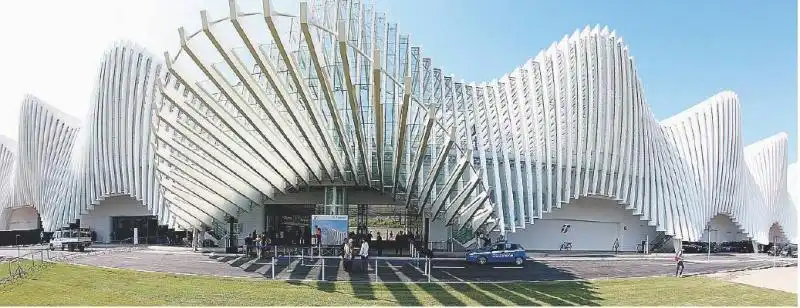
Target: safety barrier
column 323, row 257
column 422, row 264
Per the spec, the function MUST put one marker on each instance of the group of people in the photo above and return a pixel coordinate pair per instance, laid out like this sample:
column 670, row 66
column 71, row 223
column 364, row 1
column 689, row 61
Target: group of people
column 349, row 254
column 256, row 243
column 485, row 241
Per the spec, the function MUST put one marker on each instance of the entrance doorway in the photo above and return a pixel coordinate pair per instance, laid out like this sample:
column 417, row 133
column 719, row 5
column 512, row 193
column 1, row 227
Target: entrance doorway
column 122, row 228
column 289, row 224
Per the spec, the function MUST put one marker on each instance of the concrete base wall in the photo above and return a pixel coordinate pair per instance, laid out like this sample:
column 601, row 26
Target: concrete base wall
column 776, row 234
column 726, row 230
column 99, row 219
column 594, row 226
column 23, row 218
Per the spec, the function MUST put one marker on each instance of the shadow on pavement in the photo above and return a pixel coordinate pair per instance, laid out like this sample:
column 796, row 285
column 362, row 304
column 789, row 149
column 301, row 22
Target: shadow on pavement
column 571, row 292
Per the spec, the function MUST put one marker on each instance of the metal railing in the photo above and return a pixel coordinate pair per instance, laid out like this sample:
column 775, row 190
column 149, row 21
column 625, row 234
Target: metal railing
column 319, row 256
column 31, row 259
column 23, row 264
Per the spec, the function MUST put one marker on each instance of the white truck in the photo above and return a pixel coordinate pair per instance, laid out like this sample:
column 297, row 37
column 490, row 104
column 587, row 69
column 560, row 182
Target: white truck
column 72, row 239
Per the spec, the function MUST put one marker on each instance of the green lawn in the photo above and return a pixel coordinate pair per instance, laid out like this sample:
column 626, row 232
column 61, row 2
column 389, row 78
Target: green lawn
column 77, row 285
column 6, row 268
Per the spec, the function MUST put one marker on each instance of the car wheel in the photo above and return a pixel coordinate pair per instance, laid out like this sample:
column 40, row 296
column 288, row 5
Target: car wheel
column 519, row 260
column 482, row 260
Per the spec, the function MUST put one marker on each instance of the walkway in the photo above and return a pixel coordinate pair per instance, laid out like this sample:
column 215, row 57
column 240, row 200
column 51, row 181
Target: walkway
column 183, row 261
column 779, row 278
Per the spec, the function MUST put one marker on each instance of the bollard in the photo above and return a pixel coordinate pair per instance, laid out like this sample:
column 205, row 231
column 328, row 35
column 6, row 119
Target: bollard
column 302, row 259
column 376, row 270
column 428, row 266
column 323, row 268
column 273, row 268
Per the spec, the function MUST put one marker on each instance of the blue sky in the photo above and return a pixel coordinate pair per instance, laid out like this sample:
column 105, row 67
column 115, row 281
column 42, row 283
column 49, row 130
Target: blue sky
column 686, row 51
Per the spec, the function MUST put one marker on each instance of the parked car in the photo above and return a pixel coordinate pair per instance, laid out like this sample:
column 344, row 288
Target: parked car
column 498, row 253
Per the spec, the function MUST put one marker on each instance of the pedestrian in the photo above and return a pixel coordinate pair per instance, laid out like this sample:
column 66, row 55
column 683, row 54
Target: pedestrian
column 364, row 252
column 258, row 246
column 679, row 267
column 379, row 244
column 302, row 236
column 248, row 242
column 398, row 242
column 347, row 254
column 264, row 242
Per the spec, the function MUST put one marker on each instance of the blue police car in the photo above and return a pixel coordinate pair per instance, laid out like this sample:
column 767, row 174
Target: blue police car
column 503, row 252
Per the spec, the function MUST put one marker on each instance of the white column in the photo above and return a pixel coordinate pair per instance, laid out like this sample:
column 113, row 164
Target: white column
column 195, row 239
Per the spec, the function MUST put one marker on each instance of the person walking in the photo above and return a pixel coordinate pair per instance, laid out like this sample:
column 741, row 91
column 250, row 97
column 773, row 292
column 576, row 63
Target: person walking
column 679, row 266
column 379, row 244
column 258, row 246
column 398, row 242
column 347, row 252
column 248, row 243
column 319, row 236
column 364, row 252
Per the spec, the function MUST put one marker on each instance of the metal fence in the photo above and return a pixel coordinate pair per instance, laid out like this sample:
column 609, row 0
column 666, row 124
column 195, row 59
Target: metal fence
column 296, row 263
column 24, row 263
column 30, row 259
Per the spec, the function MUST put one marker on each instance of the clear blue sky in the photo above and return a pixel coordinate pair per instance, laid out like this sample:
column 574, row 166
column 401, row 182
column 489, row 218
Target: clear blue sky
column 686, row 51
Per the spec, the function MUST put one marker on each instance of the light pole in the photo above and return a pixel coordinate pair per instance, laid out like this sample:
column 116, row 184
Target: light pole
column 708, row 255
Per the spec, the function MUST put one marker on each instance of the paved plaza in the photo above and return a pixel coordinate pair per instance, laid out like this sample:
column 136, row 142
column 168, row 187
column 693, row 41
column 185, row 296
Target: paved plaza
column 183, row 261
column 778, row 278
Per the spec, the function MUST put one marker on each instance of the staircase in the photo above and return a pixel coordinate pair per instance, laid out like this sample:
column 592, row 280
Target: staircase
column 660, row 242
column 464, row 237
column 218, row 231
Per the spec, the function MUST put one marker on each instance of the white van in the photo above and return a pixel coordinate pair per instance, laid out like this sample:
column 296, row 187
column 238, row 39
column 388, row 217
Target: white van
column 71, row 239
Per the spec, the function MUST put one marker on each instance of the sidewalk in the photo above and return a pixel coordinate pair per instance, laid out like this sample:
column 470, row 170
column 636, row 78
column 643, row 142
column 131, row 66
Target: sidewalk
column 570, row 257
column 779, row 278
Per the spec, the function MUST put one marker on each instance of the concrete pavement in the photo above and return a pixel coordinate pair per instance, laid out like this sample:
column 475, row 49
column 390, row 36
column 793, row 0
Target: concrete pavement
column 183, row 261
column 777, row 278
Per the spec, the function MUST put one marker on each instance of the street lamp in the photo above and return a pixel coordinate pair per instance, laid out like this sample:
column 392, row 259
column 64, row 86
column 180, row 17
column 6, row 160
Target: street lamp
column 708, row 255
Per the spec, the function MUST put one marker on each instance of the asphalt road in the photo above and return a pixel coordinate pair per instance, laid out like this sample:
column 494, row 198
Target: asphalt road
column 399, row 270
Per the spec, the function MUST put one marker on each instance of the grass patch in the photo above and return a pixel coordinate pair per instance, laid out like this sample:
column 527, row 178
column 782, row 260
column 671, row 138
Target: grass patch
column 9, row 267
column 61, row 284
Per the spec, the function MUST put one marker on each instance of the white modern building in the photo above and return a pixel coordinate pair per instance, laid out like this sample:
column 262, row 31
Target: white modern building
column 334, row 106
